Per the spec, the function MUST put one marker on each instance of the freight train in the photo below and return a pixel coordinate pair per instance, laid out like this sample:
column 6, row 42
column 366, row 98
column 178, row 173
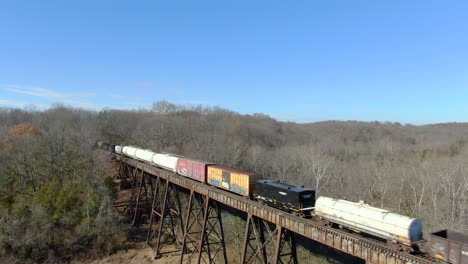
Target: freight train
column 399, row 231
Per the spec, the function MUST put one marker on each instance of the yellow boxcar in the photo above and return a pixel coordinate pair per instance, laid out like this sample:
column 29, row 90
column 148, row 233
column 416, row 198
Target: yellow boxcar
column 234, row 180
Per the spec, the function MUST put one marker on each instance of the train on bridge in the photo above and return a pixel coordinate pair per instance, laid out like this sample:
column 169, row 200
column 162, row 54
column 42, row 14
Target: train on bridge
column 398, row 231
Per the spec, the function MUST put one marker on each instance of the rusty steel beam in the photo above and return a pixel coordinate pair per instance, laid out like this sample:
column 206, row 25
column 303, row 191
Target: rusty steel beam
column 125, row 174
column 138, row 196
column 204, row 236
column 253, row 241
column 368, row 249
column 155, row 209
column 286, row 247
column 144, row 194
column 267, row 243
column 193, row 226
column 170, row 224
column 213, row 234
column 133, row 175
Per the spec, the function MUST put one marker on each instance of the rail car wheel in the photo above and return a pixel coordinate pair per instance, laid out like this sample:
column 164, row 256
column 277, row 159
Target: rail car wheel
column 407, row 249
column 325, row 222
column 321, row 221
column 422, row 246
column 298, row 214
column 399, row 247
column 394, row 245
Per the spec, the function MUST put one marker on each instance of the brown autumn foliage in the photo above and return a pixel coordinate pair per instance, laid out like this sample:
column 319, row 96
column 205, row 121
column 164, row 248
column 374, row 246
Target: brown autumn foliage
column 20, row 130
column 54, row 201
column 419, row 171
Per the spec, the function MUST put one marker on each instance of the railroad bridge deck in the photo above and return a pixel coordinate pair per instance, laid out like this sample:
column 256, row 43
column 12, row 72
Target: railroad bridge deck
column 154, row 185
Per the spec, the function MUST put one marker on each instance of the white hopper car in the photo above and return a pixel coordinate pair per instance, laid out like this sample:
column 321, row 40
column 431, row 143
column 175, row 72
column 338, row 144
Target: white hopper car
column 164, row 161
column 118, row 149
column 397, row 229
column 145, row 155
column 129, row 151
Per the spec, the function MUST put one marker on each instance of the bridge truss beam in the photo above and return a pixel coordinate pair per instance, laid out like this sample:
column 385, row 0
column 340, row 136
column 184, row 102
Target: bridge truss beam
column 166, row 221
column 265, row 242
column 204, row 235
column 286, row 225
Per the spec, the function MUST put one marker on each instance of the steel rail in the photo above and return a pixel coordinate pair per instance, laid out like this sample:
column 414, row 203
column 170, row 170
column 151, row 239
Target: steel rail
column 373, row 251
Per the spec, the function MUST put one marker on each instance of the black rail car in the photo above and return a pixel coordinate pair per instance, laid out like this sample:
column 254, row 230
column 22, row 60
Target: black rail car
column 450, row 246
column 285, row 197
column 99, row 143
column 105, row 146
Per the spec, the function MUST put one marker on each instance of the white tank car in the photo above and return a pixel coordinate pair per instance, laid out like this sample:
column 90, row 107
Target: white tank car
column 371, row 220
column 145, row 155
column 129, row 151
column 166, row 161
column 118, row 149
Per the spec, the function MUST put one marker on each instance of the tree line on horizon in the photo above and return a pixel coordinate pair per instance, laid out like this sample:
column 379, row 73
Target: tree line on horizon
column 54, row 200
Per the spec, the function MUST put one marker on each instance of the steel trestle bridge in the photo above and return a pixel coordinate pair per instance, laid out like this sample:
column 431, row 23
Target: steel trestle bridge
column 196, row 231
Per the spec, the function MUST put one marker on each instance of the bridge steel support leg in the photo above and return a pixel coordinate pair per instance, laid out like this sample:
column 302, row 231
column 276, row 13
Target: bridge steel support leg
column 285, row 247
column 118, row 168
column 143, row 194
column 155, row 208
column 170, row 226
column 204, row 235
column 134, row 175
column 265, row 242
column 125, row 174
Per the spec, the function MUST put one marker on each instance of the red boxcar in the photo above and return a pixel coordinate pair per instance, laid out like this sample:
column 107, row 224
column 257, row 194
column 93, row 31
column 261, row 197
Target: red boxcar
column 195, row 169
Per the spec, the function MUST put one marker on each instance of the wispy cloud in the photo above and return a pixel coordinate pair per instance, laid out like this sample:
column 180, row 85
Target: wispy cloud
column 199, row 102
column 221, row 103
column 135, row 105
column 296, row 118
column 16, row 103
column 73, row 99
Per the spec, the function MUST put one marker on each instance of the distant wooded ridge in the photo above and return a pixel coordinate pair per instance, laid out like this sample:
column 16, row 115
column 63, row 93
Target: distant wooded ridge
column 419, row 171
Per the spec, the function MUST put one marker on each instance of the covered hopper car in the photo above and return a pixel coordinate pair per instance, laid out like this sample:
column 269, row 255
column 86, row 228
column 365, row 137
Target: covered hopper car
column 145, row 155
column 401, row 232
column 286, row 197
column 166, row 161
column 118, row 149
column 129, row 151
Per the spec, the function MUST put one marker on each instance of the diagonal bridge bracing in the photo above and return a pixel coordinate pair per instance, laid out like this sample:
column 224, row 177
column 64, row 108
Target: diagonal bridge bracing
column 269, row 236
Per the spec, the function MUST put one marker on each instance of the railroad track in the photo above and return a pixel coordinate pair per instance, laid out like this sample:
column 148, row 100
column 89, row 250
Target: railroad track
column 372, row 250
column 377, row 245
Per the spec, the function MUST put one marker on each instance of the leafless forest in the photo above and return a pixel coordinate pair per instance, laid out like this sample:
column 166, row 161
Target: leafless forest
column 55, row 199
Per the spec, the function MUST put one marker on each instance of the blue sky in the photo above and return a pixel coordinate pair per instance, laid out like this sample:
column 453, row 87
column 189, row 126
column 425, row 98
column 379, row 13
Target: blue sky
column 303, row 61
